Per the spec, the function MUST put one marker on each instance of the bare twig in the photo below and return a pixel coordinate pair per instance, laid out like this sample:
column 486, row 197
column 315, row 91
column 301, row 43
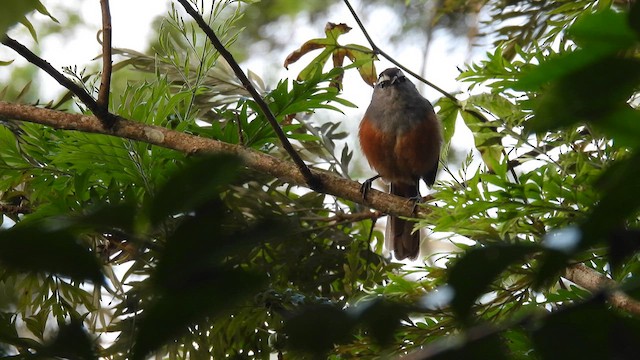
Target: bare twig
column 105, row 84
column 379, row 51
column 310, row 180
column 183, row 142
column 107, row 119
column 49, row 69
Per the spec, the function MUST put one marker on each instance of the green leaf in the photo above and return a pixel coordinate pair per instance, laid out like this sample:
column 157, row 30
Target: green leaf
column 171, row 313
column 448, row 114
column 192, row 280
column 316, row 65
column 599, row 35
column 380, row 317
column 607, row 28
column 196, row 184
column 622, row 125
column 471, row 275
column 616, row 204
column 364, row 59
column 71, row 342
column 317, row 328
column 14, row 11
column 571, row 98
column 34, row 248
column 634, row 17
column 487, row 139
column 9, row 334
column 587, row 331
column 359, row 55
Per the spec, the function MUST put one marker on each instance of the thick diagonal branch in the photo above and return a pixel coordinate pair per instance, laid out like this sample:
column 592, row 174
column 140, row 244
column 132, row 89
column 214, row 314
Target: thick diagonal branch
column 310, row 180
column 255, row 160
column 594, row 281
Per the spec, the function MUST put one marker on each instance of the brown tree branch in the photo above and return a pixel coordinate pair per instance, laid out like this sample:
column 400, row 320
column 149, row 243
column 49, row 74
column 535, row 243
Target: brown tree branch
column 342, row 217
column 312, row 181
column 107, row 65
column 594, row 281
column 255, row 160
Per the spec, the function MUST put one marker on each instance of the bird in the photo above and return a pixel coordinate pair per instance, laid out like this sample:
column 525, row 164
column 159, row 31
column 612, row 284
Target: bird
column 401, row 137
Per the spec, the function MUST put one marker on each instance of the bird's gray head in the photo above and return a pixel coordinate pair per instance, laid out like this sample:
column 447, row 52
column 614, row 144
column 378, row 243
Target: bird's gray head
column 389, row 77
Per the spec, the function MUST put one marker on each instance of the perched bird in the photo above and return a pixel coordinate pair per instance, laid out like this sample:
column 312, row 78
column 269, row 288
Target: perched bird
column 401, row 136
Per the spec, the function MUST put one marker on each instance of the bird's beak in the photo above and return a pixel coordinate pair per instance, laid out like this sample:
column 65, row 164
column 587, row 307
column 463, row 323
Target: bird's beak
column 396, row 78
column 385, row 77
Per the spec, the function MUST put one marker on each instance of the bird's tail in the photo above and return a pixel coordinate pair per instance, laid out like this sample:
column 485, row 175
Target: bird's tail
column 399, row 236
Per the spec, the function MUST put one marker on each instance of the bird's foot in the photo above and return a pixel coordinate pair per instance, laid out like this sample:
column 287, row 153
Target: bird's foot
column 366, row 186
column 417, row 200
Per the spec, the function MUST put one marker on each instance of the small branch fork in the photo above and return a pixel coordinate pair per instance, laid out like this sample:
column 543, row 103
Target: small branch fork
column 313, row 182
column 100, row 107
column 84, row 97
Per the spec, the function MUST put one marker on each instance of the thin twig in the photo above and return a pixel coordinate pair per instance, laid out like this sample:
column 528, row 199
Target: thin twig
column 107, row 119
column 107, row 65
column 379, row 51
column 313, row 182
column 49, row 69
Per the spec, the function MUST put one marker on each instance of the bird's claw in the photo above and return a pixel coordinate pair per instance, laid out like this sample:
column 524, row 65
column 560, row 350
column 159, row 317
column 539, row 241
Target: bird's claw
column 366, row 186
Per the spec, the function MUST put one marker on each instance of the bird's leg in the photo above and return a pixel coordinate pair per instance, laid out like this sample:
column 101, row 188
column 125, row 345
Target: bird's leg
column 418, row 199
column 366, row 186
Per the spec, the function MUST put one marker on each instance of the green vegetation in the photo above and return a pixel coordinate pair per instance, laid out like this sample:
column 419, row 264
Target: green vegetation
column 117, row 248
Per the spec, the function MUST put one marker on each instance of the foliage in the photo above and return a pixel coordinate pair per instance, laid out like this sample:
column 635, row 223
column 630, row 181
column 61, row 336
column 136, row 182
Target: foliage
column 15, row 11
column 113, row 248
column 361, row 56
